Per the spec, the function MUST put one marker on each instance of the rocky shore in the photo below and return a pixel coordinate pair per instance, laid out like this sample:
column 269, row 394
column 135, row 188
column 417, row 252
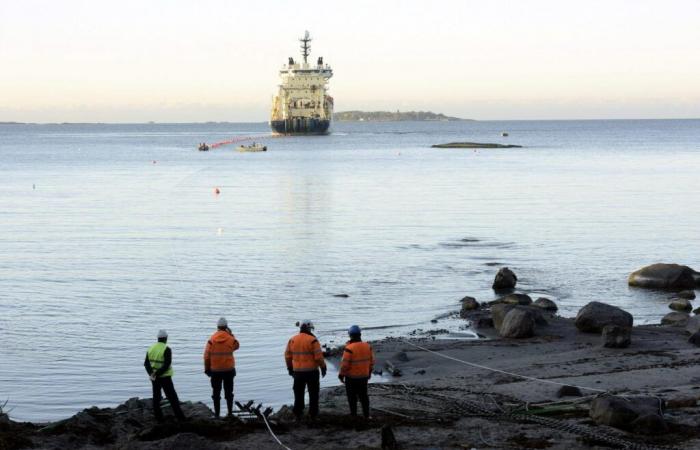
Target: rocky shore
column 534, row 380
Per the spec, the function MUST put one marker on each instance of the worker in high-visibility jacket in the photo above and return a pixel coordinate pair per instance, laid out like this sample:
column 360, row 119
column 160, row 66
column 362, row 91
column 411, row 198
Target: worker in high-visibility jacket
column 304, row 358
column 220, row 365
column 158, row 365
column 356, row 370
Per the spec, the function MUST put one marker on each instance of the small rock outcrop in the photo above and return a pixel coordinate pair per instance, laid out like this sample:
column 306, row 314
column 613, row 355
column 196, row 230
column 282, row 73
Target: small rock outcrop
column 675, row 319
column 681, row 304
column 596, row 315
column 505, row 279
column 615, row 336
column 664, row 276
column 468, row 304
column 622, row 412
column 517, row 323
column 688, row 295
column 546, row 304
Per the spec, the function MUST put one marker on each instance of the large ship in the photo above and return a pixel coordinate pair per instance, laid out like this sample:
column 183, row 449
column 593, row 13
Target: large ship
column 302, row 105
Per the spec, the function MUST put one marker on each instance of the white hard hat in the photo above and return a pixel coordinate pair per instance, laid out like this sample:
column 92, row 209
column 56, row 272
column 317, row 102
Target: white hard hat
column 162, row 334
column 306, row 323
column 222, row 322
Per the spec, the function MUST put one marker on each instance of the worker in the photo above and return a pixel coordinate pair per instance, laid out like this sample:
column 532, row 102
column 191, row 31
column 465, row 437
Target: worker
column 304, row 358
column 220, row 365
column 356, row 369
column 158, row 365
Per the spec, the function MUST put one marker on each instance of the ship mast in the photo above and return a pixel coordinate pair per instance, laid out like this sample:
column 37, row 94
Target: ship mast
column 305, row 47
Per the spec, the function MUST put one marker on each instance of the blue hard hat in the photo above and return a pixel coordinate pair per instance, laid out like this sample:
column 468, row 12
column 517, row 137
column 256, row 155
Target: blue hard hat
column 355, row 329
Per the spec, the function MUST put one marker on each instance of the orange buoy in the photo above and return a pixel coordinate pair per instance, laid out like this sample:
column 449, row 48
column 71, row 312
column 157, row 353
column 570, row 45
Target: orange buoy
column 217, row 191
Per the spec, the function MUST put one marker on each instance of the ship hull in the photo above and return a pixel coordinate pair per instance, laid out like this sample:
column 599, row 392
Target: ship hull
column 300, row 125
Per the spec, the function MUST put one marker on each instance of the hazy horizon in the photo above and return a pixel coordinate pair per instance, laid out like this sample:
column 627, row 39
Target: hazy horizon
column 176, row 62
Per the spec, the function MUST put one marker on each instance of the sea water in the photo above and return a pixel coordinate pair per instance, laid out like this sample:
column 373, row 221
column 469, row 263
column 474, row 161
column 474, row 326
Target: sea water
column 109, row 233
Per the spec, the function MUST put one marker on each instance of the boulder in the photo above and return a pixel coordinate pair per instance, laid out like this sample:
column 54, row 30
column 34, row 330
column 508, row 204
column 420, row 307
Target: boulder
column 615, row 336
column 695, row 339
column 517, row 323
column 546, row 304
column 468, row 304
column 505, row 279
column 622, row 412
column 514, row 299
column 595, row 315
column 696, row 311
column 688, row 295
column 650, row 424
column 681, row 304
column 499, row 311
column 675, row 319
column 664, row 276
column 693, row 325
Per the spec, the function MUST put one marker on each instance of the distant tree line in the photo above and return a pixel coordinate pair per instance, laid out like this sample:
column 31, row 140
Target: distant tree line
column 389, row 116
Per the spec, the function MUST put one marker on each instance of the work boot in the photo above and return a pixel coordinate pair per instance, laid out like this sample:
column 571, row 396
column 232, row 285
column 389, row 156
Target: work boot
column 217, row 407
column 229, row 406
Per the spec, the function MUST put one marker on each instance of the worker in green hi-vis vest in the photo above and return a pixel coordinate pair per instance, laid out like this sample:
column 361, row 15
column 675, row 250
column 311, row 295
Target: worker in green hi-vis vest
column 158, row 364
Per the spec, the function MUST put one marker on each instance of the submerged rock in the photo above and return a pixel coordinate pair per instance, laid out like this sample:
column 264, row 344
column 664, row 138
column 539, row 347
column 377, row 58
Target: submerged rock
column 505, row 279
column 664, row 276
column 596, row 315
column 518, row 323
column 675, row 319
column 681, row 304
column 546, row 304
column 622, row 412
column 615, row 336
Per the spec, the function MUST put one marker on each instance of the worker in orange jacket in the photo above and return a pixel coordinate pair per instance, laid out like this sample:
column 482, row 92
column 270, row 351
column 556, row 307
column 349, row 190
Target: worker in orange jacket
column 220, row 365
column 304, row 358
column 356, row 370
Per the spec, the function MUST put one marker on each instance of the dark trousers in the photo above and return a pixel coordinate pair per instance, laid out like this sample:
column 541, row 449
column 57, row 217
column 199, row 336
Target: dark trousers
column 222, row 378
column 302, row 380
column 356, row 388
column 166, row 384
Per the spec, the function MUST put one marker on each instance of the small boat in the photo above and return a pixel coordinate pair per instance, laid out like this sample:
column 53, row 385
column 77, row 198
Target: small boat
column 252, row 148
column 504, row 134
column 203, row 147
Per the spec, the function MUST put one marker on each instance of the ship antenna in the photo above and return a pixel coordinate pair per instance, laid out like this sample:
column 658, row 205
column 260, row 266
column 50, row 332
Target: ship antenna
column 305, row 47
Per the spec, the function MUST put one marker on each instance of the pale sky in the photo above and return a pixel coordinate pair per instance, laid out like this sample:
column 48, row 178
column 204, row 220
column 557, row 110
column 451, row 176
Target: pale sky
column 181, row 61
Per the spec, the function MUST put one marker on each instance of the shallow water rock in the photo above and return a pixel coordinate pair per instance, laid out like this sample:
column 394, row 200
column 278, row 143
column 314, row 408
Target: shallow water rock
column 505, row 279
column 596, row 315
column 615, row 336
column 675, row 319
column 689, row 295
column 681, row 304
column 546, row 304
column 622, row 412
column 693, row 325
column 517, row 323
column 664, row 276
column 468, row 304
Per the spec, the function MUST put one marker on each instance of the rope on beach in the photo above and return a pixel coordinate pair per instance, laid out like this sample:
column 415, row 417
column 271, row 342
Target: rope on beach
column 272, row 433
column 479, row 366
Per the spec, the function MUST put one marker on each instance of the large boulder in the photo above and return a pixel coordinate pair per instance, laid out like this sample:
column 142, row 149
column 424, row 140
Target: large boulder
column 692, row 325
column 518, row 323
column 664, row 276
column 622, row 412
column 468, row 304
column 546, row 304
column 595, row 315
column 505, row 279
column 615, row 336
column 500, row 310
column 675, row 319
column 681, row 304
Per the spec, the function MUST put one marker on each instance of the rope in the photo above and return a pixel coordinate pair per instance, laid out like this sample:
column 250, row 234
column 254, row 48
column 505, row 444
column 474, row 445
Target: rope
column 272, row 433
column 479, row 366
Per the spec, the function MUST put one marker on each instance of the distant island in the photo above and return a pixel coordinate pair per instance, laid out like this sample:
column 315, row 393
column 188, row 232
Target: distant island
column 389, row 116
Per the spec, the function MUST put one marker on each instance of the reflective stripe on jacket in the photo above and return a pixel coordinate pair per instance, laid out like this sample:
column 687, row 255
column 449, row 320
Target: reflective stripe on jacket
column 218, row 353
column 358, row 360
column 156, row 356
column 303, row 353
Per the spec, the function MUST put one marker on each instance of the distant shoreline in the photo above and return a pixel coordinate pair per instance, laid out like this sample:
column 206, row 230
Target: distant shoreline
column 390, row 116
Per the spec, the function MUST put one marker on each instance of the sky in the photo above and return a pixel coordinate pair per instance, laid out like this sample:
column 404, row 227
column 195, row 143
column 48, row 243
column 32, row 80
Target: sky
column 215, row 60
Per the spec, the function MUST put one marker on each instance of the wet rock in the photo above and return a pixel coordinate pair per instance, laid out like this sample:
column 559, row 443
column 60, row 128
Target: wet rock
column 546, row 304
column 517, row 323
column 622, row 412
column 615, row 336
column 675, row 319
column 693, row 325
column 569, row 391
column 595, row 315
column 391, row 369
column 513, row 299
column 341, row 295
column 681, row 304
column 649, row 424
column 484, row 322
column 696, row 311
column 468, row 304
column 499, row 311
column 664, row 276
column 689, row 295
column 695, row 339
column 505, row 279
column 401, row 356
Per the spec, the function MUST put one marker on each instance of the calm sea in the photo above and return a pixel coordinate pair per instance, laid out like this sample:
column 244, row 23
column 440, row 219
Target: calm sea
column 111, row 232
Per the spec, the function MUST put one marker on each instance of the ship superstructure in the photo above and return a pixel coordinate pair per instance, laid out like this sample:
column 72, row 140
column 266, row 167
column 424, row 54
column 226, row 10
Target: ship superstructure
column 302, row 105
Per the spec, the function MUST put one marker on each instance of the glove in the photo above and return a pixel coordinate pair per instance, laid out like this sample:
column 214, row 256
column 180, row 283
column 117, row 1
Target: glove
column 152, row 376
column 290, row 371
column 341, row 378
column 323, row 371
column 207, row 372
